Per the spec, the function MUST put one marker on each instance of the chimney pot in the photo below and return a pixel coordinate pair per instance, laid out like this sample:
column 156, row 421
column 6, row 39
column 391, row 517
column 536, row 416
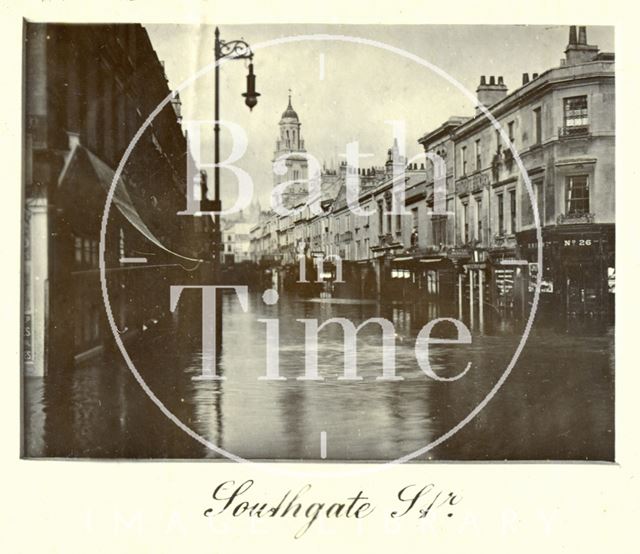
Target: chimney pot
column 492, row 80
column 573, row 39
column 534, row 76
column 525, row 78
column 582, row 35
column 500, row 80
column 483, row 80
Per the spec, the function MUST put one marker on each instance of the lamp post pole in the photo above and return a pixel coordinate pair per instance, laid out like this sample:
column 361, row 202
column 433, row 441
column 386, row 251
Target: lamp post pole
column 235, row 49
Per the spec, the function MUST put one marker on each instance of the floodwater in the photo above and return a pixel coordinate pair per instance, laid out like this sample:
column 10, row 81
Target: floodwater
column 557, row 403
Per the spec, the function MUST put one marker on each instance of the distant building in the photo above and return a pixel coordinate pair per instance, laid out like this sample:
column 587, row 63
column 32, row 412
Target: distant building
column 236, row 243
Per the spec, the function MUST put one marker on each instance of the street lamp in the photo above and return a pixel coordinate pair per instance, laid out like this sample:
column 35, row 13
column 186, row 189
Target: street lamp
column 251, row 96
column 236, row 50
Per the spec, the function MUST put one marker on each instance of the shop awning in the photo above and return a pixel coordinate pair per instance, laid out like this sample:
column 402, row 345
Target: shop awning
column 121, row 198
column 430, row 260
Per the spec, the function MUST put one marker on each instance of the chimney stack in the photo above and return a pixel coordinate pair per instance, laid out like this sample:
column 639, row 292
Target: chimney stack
column 491, row 93
column 578, row 51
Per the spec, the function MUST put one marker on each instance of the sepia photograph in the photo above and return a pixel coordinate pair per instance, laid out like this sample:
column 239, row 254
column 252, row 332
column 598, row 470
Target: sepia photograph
column 318, row 243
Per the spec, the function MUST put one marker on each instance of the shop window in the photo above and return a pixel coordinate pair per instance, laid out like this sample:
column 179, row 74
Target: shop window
column 611, row 279
column 94, row 253
column 78, row 250
column 121, row 249
column 432, row 282
column 400, row 273
column 86, row 252
column 577, row 195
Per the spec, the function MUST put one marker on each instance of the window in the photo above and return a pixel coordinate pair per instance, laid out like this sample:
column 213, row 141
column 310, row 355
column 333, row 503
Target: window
column 498, row 143
column 465, row 217
column 538, row 191
column 414, row 218
column 478, row 155
column 121, row 250
column 86, row 257
column 512, row 206
column 296, row 174
column 537, row 126
column 510, row 126
column 463, row 160
column 398, row 224
column 575, row 112
column 500, row 214
column 78, row 250
column 432, row 282
column 577, row 195
column 479, row 219
column 439, row 230
column 380, row 217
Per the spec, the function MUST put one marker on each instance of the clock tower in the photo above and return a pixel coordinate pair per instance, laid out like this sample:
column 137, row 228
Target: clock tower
column 290, row 146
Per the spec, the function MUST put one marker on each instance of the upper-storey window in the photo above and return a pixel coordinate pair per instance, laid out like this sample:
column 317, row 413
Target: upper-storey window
column 537, row 126
column 463, row 160
column 577, row 194
column 576, row 112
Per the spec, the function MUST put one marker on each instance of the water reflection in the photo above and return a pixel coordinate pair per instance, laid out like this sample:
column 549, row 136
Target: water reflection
column 557, row 403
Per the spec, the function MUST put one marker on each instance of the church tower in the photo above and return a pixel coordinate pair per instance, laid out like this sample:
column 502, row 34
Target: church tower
column 291, row 145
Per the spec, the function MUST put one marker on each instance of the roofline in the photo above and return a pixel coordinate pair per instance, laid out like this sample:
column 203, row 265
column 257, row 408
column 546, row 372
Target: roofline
column 533, row 87
column 449, row 125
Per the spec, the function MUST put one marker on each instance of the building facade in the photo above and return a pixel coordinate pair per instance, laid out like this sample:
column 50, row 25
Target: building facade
column 88, row 90
column 561, row 124
column 469, row 233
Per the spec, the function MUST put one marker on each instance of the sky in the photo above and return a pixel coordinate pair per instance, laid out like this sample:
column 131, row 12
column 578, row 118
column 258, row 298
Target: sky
column 344, row 91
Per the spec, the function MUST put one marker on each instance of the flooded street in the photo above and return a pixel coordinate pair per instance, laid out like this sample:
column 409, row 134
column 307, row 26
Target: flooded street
column 556, row 404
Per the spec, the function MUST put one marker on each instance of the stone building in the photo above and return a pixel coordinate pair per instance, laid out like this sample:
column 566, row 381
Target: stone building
column 561, row 123
column 88, row 89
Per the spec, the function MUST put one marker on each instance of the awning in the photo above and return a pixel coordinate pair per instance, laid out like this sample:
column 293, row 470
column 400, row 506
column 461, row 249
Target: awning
column 404, row 259
column 430, row 260
column 121, row 199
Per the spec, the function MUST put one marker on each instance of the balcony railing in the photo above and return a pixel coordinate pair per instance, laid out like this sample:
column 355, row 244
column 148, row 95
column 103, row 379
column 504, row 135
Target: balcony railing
column 573, row 131
column 574, row 218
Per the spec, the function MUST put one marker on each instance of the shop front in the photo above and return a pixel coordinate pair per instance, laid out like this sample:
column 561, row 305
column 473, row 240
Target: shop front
column 578, row 269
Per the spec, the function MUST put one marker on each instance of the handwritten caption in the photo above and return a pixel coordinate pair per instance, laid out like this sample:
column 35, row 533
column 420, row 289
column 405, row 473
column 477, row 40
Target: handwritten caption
column 414, row 500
